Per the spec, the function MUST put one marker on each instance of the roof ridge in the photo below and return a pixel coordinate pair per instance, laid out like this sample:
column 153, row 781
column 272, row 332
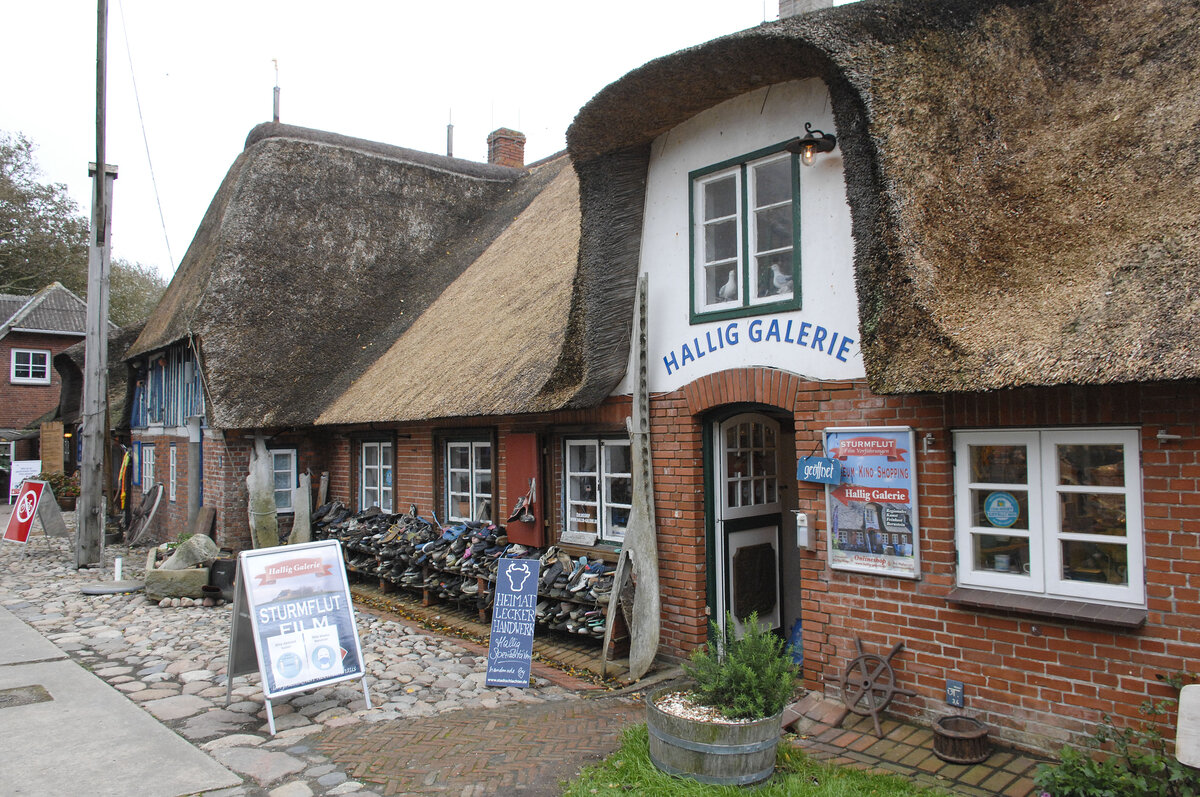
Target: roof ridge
column 483, row 171
column 35, row 300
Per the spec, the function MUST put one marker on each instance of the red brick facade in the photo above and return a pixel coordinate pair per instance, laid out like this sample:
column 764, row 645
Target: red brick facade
column 1037, row 681
column 21, row 405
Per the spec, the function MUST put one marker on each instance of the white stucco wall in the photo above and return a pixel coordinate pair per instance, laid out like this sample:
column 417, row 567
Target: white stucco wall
column 797, row 341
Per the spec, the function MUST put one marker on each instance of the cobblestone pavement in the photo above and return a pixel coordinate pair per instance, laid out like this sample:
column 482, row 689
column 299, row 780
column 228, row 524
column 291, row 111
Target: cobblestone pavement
column 172, row 663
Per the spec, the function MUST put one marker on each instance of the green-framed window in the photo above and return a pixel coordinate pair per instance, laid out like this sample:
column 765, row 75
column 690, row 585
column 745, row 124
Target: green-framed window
column 745, row 232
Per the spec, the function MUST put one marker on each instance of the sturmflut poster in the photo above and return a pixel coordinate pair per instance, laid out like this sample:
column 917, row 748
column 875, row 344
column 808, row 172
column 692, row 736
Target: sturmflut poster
column 303, row 620
column 873, row 513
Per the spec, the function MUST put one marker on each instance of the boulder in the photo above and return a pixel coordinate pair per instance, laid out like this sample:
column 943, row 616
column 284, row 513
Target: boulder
column 195, row 550
column 188, row 583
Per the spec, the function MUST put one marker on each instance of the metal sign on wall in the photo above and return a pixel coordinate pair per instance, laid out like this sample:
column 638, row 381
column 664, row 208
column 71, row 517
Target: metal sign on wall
column 821, row 470
column 873, row 516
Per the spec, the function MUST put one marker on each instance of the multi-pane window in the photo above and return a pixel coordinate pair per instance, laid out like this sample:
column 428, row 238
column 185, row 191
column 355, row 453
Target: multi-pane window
column 1051, row 512
column 469, row 480
column 751, row 464
column 599, row 487
column 30, row 367
column 147, row 466
column 375, row 476
column 744, row 235
column 283, row 478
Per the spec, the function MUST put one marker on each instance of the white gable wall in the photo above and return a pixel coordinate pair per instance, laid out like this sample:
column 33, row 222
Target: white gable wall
column 680, row 352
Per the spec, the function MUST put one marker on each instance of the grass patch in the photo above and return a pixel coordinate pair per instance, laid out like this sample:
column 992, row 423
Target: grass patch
column 629, row 771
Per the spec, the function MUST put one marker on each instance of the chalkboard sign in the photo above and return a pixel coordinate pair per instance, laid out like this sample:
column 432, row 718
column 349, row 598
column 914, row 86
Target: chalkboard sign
column 510, row 649
column 297, row 603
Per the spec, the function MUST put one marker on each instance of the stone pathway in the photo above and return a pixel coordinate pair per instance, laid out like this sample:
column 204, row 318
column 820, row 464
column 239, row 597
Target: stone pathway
column 172, row 662
column 488, row 752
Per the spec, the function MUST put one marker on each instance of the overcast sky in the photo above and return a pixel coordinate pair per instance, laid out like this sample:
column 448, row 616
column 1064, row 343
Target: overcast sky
column 392, row 71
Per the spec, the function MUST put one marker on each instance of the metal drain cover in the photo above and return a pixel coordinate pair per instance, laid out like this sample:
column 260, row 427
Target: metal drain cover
column 23, row 696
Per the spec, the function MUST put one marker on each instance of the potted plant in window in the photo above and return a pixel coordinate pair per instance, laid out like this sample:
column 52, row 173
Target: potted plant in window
column 66, row 488
column 725, row 728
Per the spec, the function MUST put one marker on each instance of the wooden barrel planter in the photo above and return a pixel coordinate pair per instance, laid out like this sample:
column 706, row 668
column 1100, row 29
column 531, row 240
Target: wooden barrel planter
column 712, row 752
column 961, row 740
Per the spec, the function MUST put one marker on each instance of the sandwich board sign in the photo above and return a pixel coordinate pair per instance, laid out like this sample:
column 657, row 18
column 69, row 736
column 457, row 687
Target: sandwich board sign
column 21, row 469
column 292, row 608
column 510, row 646
column 36, row 499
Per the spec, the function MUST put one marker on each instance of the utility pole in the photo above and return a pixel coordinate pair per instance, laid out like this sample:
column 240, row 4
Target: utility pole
column 89, row 537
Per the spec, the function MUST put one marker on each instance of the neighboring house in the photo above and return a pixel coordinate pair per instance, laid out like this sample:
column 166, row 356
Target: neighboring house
column 70, row 365
column 34, row 330
column 981, row 301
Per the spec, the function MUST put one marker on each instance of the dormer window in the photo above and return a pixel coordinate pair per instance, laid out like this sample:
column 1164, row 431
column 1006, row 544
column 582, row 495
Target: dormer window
column 745, row 227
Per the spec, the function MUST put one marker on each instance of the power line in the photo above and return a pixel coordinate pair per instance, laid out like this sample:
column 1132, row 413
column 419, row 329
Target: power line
column 145, row 141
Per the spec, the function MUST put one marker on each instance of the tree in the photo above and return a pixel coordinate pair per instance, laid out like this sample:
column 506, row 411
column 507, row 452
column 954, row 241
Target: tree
column 134, row 289
column 44, row 238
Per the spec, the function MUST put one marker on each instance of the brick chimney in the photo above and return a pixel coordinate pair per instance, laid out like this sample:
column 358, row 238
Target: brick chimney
column 506, row 148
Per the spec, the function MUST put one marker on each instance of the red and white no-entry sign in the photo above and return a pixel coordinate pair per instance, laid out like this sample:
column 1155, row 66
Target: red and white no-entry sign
column 24, row 511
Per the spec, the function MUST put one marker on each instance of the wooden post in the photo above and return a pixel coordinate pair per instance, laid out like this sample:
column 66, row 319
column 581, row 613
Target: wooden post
column 89, row 538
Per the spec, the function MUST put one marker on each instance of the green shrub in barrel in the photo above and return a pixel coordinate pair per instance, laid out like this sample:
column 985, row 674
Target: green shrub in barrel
column 749, row 681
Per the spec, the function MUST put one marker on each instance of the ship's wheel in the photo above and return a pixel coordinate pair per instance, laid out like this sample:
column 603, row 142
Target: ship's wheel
column 869, row 683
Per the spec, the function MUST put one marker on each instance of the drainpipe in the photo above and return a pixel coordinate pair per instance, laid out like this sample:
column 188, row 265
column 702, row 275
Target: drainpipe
column 195, row 480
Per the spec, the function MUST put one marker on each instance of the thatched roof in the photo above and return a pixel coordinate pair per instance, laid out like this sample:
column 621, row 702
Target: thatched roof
column 492, row 342
column 1022, row 179
column 69, row 364
column 317, row 253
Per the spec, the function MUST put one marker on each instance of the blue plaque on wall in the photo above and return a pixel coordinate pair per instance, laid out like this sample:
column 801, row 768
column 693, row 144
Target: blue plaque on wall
column 954, row 693
column 510, row 649
column 822, row 470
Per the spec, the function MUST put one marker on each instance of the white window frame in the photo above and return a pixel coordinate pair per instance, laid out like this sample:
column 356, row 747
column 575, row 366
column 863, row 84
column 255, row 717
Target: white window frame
column 766, row 478
column 381, row 494
column 474, row 472
column 602, row 505
column 283, row 496
column 1045, row 535
column 173, row 470
column 147, row 466
column 31, row 379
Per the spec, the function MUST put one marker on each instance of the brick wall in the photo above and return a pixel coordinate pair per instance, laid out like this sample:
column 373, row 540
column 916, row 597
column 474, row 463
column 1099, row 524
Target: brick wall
column 1037, row 682
column 20, row 405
